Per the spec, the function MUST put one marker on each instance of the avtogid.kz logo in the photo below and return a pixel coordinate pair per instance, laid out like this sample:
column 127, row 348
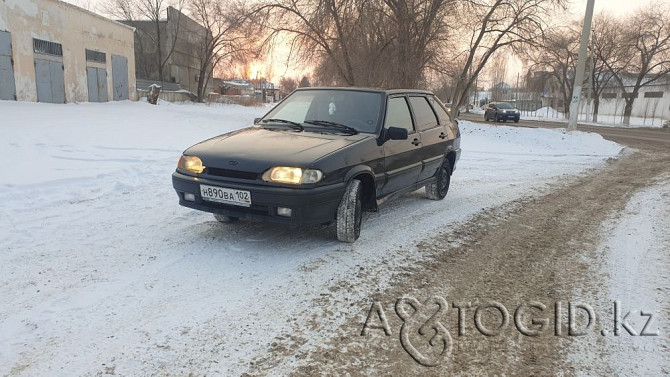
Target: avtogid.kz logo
column 428, row 341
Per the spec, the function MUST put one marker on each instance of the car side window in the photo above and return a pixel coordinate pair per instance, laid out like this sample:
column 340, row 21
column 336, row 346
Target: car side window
column 398, row 115
column 442, row 114
column 423, row 113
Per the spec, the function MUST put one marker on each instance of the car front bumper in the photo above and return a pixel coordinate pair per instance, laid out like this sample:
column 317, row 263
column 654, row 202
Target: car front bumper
column 309, row 206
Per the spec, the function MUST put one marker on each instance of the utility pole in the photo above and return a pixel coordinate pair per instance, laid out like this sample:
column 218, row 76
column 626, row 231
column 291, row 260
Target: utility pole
column 581, row 67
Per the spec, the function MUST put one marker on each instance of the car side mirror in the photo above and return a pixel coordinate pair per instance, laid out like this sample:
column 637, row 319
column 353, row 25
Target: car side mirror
column 256, row 120
column 396, row 133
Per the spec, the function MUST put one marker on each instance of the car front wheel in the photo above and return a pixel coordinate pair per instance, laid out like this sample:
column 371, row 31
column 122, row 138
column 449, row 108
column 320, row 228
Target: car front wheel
column 438, row 189
column 350, row 213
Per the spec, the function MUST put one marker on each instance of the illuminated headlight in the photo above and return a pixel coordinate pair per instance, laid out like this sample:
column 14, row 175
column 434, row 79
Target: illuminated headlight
column 294, row 176
column 191, row 164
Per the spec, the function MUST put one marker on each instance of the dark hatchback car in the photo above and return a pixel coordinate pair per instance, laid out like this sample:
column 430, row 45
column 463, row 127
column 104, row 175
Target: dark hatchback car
column 323, row 155
column 501, row 112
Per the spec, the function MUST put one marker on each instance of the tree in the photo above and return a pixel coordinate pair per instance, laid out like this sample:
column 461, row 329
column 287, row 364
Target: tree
column 557, row 55
column 304, row 82
column 226, row 36
column 288, row 84
column 398, row 37
column 498, row 74
column 487, row 26
column 605, row 50
column 645, row 45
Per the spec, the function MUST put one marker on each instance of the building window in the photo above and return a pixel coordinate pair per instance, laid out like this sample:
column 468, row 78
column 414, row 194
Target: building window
column 608, row 95
column 96, row 56
column 45, row 47
column 653, row 95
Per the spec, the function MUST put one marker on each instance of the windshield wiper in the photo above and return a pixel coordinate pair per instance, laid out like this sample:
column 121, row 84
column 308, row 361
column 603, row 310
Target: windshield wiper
column 327, row 123
column 290, row 123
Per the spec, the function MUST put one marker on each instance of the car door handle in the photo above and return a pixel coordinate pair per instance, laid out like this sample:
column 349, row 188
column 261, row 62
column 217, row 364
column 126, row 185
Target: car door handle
column 416, row 142
column 442, row 135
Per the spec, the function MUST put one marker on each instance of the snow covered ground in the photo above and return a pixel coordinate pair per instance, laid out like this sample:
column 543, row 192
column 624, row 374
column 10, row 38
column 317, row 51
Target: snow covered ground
column 102, row 272
column 636, row 243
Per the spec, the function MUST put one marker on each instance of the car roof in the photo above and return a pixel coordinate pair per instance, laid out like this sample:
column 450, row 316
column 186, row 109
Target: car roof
column 373, row 90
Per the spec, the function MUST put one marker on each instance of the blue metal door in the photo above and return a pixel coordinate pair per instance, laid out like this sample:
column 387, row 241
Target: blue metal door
column 97, row 84
column 49, row 78
column 120, row 77
column 7, row 85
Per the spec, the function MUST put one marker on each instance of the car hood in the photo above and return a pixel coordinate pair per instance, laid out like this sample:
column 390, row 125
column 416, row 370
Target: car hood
column 257, row 149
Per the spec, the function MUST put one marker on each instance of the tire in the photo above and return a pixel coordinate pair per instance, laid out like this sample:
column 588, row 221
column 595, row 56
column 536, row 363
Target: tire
column 497, row 118
column 438, row 189
column 486, row 118
column 225, row 219
column 350, row 213
column 516, row 120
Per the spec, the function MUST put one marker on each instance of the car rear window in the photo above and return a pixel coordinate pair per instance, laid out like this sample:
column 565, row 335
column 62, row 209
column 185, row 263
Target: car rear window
column 442, row 114
column 423, row 113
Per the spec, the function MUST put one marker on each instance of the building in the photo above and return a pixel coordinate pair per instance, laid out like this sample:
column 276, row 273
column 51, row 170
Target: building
column 51, row 51
column 181, row 45
column 652, row 101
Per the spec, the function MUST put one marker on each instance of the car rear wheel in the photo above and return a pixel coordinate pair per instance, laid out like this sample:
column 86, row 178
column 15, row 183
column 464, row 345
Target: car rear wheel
column 486, row 118
column 225, row 219
column 438, row 189
column 350, row 213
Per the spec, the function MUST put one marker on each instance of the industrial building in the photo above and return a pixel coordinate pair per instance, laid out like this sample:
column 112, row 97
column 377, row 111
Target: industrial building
column 52, row 51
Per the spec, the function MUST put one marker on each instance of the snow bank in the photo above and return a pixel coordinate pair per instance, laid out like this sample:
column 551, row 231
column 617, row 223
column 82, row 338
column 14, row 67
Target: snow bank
column 101, row 270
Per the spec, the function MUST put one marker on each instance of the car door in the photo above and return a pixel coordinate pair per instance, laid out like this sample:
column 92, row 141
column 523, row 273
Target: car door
column 402, row 158
column 433, row 136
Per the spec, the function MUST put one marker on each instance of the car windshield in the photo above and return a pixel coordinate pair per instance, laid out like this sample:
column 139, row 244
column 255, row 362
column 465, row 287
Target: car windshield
column 505, row 105
column 328, row 109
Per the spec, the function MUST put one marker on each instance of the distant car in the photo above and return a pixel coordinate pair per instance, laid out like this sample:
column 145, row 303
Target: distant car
column 323, row 155
column 501, row 112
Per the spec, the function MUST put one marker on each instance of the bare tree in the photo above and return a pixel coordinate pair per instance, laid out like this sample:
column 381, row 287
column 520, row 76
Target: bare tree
column 497, row 72
column 225, row 36
column 346, row 37
column 606, row 51
column 645, row 56
column 557, row 55
column 288, row 84
column 490, row 25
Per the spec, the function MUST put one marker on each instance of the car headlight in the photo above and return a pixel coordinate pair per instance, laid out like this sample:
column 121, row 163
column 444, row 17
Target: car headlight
column 290, row 175
column 191, row 164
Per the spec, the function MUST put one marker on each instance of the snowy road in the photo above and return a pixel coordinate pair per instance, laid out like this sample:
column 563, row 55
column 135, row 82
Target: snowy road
column 102, row 271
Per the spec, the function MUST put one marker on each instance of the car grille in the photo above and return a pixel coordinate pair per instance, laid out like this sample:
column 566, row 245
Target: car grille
column 227, row 173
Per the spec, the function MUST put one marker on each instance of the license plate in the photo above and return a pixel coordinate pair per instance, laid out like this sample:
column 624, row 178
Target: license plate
column 225, row 195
